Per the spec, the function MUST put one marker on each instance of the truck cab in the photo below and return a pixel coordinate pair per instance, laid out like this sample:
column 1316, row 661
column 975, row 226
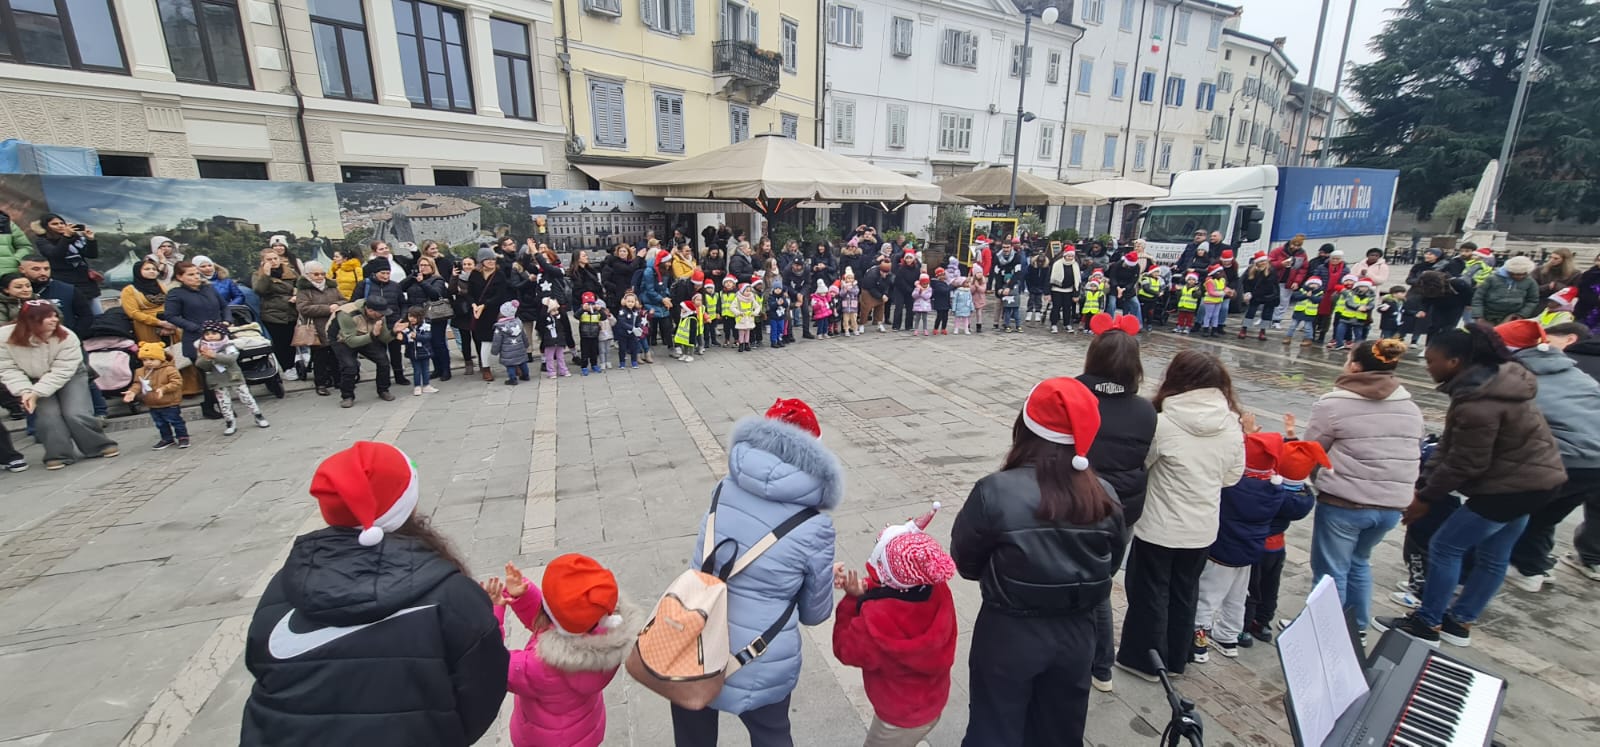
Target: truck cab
column 1225, row 200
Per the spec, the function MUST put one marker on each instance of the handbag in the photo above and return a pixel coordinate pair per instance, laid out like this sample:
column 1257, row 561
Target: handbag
column 439, row 308
column 305, row 334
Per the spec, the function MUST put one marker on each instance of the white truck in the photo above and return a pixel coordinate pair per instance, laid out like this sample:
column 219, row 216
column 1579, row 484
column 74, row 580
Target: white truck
column 1259, row 207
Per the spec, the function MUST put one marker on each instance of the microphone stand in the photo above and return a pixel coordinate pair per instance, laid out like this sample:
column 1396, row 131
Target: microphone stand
column 1185, row 723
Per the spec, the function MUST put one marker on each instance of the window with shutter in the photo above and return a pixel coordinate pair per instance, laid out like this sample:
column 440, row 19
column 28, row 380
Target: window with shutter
column 791, row 46
column 650, row 13
column 897, row 126
column 903, row 29
column 738, row 123
column 669, row 122
column 685, row 16
column 1140, row 148
column 606, row 109
column 844, row 122
column 1108, row 156
column 753, row 20
column 791, row 126
column 1047, row 140
column 1075, row 148
column 603, row 7
column 1008, row 138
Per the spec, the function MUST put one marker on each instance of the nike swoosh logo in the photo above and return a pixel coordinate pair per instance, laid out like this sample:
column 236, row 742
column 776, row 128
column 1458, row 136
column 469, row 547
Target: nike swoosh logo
column 287, row 644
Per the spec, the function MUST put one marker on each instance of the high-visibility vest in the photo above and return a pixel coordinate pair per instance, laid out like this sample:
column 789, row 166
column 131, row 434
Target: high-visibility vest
column 712, row 307
column 1150, row 286
column 746, row 308
column 686, row 329
column 726, row 302
column 1551, row 318
column 1350, row 306
column 1189, row 298
column 1221, row 286
column 1310, row 303
column 1092, row 301
column 1477, row 271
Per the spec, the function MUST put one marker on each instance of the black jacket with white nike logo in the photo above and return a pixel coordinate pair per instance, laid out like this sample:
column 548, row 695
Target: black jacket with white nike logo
column 387, row 645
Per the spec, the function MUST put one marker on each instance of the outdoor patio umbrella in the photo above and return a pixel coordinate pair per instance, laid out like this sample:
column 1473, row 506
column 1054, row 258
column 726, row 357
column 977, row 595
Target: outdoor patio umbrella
column 992, row 186
column 1122, row 189
column 772, row 174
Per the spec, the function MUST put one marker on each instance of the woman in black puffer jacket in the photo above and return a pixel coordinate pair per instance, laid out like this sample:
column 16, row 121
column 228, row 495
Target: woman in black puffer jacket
column 586, row 278
column 1113, row 372
column 1043, row 539
column 616, row 275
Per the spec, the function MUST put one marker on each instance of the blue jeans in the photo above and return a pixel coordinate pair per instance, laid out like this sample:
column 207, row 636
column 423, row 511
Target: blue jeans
column 1211, row 314
column 519, row 371
column 420, row 366
column 1130, row 305
column 1012, row 316
column 774, row 331
column 169, row 422
column 1306, row 322
column 1341, row 544
column 1491, row 543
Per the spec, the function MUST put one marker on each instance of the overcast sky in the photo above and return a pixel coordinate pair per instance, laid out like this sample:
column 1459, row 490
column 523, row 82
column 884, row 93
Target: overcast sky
column 1297, row 19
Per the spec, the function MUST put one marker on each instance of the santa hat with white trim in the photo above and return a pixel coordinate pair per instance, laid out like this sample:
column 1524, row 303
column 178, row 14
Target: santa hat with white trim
column 370, row 486
column 1566, row 298
column 1063, row 411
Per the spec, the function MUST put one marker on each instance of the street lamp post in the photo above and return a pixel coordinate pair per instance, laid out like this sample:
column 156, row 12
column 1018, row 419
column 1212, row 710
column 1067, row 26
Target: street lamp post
column 1049, row 15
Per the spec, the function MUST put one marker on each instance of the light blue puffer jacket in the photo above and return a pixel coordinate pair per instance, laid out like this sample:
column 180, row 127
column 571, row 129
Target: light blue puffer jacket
column 774, row 470
column 1569, row 400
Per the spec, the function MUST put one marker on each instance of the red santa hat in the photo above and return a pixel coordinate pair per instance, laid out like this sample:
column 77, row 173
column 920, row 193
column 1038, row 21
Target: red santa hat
column 1227, row 255
column 370, row 486
column 730, row 280
column 1348, row 280
column 588, row 297
column 1130, row 259
column 905, row 556
column 1363, row 283
column 923, row 278
column 797, row 413
column 690, row 306
column 1261, row 453
column 698, row 276
column 1258, row 257
column 1298, row 459
column 1313, row 281
column 1484, row 252
column 710, row 284
column 1214, row 270
column 1522, row 334
column 1565, row 299
column 580, row 595
column 1063, row 411
column 1192, row 277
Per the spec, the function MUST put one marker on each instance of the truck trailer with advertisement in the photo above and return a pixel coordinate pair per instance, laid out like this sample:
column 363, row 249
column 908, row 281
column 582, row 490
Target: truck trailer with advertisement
column 1260, row 207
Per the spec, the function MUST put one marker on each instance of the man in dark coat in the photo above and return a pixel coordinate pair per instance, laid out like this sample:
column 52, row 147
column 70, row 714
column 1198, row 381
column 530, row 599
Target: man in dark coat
column 906, row 275
column 797, row 281
column 877, row 285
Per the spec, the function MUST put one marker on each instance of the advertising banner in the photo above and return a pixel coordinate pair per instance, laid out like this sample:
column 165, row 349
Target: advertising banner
column 1322, row 203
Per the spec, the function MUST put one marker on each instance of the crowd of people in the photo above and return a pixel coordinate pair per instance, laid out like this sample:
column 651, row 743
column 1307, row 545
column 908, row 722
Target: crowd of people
column 1186, row 486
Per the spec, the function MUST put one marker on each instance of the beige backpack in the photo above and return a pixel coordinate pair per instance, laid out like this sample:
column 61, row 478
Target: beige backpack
column 682, row 653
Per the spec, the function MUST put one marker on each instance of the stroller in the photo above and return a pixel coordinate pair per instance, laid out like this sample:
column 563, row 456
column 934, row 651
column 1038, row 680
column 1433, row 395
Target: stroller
column 255, row 350
column 112, row 355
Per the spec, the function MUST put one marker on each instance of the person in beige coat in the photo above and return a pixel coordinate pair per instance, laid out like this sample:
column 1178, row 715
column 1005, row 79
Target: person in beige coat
column 1372, row 431
column 42, row 363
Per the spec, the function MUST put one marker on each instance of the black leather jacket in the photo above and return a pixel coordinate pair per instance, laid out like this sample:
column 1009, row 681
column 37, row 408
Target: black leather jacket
column 1026, row 567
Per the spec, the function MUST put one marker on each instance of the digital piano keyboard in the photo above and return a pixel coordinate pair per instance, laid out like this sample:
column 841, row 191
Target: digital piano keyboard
column 1420, row 697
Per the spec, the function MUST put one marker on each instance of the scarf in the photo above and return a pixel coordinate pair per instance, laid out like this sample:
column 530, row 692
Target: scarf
column 150, row 288
column 321, row 286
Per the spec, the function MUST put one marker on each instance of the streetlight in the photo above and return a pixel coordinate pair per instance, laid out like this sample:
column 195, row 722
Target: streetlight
column 1048, row 15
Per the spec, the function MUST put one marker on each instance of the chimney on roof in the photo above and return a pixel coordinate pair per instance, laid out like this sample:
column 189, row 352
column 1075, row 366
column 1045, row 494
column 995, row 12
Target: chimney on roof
column 1280, row 41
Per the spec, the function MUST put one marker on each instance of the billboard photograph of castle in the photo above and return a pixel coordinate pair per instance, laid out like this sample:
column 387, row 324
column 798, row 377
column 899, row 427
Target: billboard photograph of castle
column 456, row 217
column 591, row 219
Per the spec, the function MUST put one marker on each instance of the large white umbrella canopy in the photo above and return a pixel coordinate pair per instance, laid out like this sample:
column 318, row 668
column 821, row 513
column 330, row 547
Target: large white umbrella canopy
column 1122, row 189
column 992, row 186
column 1481, row 197
column 769, row 171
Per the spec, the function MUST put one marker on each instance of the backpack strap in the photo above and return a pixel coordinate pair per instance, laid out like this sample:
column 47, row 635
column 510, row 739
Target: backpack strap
column 768, row 540
column 708, row 543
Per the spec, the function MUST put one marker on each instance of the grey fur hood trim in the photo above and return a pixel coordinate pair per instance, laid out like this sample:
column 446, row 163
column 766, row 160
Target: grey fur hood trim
column 793, row 447
column 593, row 653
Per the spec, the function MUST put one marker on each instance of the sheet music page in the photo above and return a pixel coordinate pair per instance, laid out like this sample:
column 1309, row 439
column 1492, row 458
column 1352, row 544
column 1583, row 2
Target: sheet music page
column 1320, row 664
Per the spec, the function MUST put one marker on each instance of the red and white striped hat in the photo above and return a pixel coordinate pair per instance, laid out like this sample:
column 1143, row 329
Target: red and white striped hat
column 1063, row 411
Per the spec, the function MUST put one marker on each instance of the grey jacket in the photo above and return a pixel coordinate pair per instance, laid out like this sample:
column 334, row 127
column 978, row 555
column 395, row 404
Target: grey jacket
column 1570, row 401
column 222, row 369
column 1372, row 432
column 775, row 470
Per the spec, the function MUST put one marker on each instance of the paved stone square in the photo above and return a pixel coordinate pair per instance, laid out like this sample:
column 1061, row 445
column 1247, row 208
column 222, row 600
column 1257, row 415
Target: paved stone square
column 126, row 584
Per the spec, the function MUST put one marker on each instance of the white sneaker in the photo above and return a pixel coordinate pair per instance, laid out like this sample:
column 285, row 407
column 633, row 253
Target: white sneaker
column 290, row 374
column 1403, row 585
column 1530, row 584
column 1591, row 572
column 1054, row 329
column 416, row 391
column 430, row 389
column 1405, row 599
column 261, row 420
column 687, row 359
column 881, row 329
column 1103, row 685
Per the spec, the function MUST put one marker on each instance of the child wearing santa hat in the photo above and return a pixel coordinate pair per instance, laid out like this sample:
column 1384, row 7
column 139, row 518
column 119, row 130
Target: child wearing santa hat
column 1558, row 308
column 583, row 631
column 899, row 626
column 1304, row 302
column 1214, row 305
column 1353, row 313
column 921, row 305
column 1188, row 303
column 1295, row 464
column 1248, row 509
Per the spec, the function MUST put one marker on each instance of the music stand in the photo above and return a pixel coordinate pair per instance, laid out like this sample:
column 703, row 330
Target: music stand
column 1185, row 722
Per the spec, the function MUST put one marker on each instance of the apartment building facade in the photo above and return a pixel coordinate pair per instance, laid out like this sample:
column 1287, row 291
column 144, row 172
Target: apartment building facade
column 651, row 81
column 1255, row 76
column 460, row 93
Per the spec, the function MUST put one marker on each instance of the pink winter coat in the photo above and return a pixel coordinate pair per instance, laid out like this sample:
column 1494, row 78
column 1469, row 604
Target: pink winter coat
column 558, row 680
column 980, row 286
column 821, row 305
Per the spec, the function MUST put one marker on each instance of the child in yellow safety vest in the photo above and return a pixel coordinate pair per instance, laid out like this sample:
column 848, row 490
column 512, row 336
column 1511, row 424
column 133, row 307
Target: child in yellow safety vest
column 1305, row 301
column 1094, row 299
column 688, row 329
column 1152, row 296
column 1353, row 312
column 725, row 302
column 710, row 313
column 1214, row 305
column 745, row 307
column 1479, row 266
column 1558, row 310
column 1188, row 303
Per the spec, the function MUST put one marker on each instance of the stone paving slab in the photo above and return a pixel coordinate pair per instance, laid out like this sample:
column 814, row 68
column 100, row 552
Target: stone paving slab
column 125, row 583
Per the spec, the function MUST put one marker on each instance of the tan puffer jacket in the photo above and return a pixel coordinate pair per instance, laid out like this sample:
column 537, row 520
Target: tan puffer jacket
column 1372, row 431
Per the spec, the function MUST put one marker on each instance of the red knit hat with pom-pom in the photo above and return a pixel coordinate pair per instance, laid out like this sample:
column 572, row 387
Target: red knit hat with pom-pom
column 796, row 413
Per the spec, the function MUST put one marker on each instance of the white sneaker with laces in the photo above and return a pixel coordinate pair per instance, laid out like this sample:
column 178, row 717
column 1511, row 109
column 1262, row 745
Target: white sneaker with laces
column 1405, row 599
column 290, row 374
column 430, row 389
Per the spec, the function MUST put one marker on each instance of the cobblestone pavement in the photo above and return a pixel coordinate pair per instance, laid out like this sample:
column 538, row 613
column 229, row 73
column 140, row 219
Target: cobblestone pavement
column 126, row 584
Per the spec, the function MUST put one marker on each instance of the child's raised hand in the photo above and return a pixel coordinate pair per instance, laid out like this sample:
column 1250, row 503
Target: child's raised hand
column 516, row 584
column 853, row 585
column 129, row 395
column 1288, row 424
column 495, row 589
column 838, row 575
column 1247, row 422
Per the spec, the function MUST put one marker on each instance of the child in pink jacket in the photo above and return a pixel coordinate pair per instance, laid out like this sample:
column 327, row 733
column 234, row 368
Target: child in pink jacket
column 582, row 632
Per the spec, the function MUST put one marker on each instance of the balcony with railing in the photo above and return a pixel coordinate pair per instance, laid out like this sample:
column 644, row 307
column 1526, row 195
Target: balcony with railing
column 744, row 71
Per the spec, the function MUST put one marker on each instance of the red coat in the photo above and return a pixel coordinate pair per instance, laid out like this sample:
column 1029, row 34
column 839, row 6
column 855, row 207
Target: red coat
column 905, row 651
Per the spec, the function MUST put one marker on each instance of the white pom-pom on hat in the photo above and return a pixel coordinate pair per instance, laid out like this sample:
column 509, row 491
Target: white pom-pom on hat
column 1079, row 463
column 1277, row 479
column 609, row 622
column 370, row 536
column 1544, row 347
